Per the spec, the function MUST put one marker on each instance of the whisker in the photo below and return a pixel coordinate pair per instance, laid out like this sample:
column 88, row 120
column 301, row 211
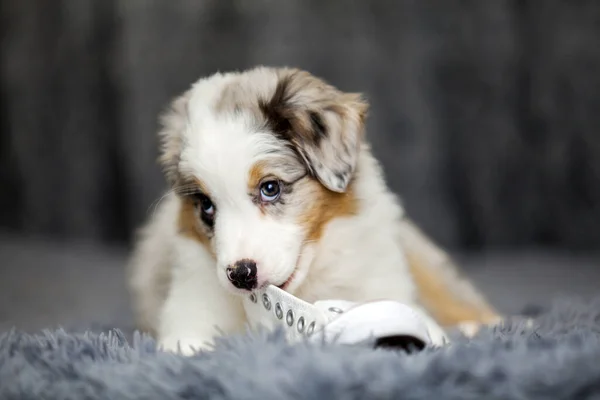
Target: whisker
column 183, row 187
column 181, row 190
column 186, row 189
column 157, row 202
column 187, row 192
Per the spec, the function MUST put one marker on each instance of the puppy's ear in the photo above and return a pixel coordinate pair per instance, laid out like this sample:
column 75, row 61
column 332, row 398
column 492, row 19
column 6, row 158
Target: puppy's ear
column 173, row 123
column 321, row 124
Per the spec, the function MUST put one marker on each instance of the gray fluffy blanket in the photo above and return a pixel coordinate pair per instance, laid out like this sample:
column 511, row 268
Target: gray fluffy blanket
column 559, row 358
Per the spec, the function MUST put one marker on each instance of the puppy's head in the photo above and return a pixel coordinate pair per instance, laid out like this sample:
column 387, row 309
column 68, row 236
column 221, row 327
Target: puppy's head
column 262, row 160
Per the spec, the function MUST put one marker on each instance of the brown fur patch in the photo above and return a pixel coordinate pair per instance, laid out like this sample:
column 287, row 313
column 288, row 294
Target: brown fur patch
column 325, row 205
column 255, row 176
column 189, row 226
column 437, row 297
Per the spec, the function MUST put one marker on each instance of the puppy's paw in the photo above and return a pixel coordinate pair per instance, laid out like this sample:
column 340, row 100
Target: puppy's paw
column 471, row 328
column 438, row 336
column 184, row 346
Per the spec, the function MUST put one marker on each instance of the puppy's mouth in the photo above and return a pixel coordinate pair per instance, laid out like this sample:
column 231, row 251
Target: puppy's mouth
column 289, row 280
column 285, row 284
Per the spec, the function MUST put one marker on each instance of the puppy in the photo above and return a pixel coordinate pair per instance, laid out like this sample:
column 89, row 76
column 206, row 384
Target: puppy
column 269, row 168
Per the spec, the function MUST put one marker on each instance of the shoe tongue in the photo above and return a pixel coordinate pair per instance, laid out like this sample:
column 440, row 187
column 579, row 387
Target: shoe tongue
column 269, row 307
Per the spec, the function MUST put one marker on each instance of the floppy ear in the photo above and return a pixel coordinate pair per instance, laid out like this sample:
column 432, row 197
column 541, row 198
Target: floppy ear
column 171, row 140
column 321, row 124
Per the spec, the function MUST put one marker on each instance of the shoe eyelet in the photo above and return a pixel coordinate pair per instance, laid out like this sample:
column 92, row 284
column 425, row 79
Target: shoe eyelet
column 300, row 324
column 266, row 301
column 253, row 298
column 289, row 318
column 336, row 310
column 278, row 311
column 311, row 329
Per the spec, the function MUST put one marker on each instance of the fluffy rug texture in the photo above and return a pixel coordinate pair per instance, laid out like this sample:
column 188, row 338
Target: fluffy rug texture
column 557, row 358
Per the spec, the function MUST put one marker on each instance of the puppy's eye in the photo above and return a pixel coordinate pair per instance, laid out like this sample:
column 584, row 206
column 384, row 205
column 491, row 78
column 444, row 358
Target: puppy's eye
column 269, row 191
column 207, row 207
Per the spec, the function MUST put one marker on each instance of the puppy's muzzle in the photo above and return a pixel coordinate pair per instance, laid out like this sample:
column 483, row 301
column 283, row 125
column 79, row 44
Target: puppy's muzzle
column 242, row 274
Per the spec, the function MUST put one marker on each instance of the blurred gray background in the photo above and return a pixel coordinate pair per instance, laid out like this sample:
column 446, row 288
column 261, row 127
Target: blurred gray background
column 485, row 115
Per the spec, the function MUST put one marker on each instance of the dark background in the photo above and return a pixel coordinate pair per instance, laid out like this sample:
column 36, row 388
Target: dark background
column 485, row 115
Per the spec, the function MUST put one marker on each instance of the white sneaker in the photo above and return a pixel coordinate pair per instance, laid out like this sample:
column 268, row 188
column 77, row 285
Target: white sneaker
column 379, row 323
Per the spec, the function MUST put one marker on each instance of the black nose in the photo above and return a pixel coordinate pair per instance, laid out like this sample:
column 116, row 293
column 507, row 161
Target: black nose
column 243, row 274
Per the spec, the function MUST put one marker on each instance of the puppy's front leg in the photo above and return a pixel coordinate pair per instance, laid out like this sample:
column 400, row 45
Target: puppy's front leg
column 196, row 310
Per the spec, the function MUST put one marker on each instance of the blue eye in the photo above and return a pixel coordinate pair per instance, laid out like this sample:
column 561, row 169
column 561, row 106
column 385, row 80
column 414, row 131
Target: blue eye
column 207, row 207
column 269, row 191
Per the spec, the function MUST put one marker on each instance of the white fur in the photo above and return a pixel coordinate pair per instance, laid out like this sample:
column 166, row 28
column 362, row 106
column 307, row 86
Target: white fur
column 184, row 297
